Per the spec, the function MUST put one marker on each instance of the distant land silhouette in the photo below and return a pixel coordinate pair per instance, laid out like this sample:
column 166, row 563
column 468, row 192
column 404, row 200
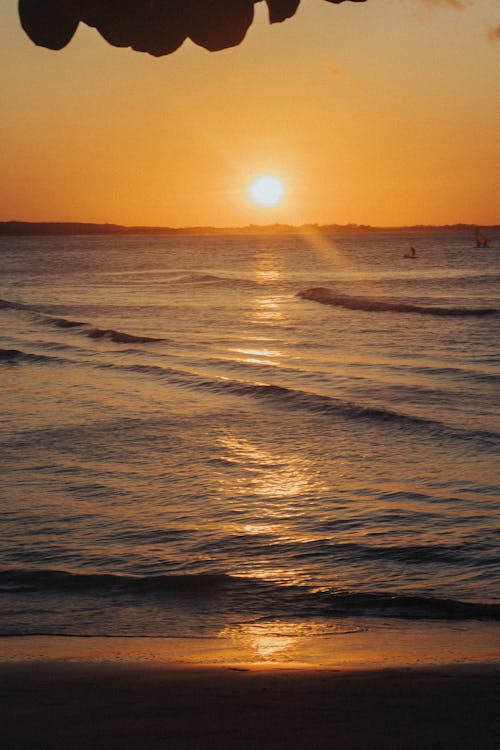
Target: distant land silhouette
column 29, row 228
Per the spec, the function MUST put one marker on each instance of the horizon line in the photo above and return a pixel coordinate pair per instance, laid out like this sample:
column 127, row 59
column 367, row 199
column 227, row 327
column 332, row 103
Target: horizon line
column 18, row 227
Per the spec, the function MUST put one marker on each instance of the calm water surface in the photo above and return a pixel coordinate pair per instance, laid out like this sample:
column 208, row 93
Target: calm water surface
column 189, row 444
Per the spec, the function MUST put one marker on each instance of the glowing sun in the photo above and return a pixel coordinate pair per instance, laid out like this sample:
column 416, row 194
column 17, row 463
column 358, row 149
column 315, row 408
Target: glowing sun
column 267, row 191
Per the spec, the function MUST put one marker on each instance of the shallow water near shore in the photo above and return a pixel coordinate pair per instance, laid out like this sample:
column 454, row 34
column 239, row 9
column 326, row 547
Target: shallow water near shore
column 192, row 446
column 367, row 644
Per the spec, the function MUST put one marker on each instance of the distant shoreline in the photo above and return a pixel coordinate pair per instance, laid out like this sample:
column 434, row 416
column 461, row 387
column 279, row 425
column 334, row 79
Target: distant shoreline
column 28, row 228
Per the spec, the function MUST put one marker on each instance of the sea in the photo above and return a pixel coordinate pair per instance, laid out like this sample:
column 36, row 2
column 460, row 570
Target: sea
column 206, row 432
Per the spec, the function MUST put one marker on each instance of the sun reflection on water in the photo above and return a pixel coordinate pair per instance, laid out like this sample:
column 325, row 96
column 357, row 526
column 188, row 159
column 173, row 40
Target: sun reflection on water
column 267, row 642
column 268, row 310
column 269, row 270
column 271, row 490
column 272, row 475
column 279, row 641
column 259, row 528
column 259, row 356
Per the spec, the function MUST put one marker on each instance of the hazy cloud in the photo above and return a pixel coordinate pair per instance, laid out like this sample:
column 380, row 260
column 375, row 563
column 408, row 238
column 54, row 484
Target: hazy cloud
column 457, row 4
column 494, row 33
column 333, row 70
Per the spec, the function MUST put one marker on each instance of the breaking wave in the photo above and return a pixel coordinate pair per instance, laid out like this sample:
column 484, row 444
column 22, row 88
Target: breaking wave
column 375, row 304
column 249, row 596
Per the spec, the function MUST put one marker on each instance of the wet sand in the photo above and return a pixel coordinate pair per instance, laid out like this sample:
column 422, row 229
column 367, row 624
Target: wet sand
column 70, row 695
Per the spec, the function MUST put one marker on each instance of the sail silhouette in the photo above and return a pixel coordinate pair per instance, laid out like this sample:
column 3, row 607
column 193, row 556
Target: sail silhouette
column 481, row 240
column 411, row 254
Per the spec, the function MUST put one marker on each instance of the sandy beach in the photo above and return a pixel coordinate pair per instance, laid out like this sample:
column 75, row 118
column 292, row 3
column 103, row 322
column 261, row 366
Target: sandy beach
column 127, row 693
column 91, row 705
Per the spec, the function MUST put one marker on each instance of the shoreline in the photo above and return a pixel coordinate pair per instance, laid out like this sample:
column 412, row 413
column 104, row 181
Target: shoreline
column 359, row 643
column 387, row 686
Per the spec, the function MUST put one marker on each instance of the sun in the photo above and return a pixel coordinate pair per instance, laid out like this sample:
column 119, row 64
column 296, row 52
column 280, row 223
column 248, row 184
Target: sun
column 267, row 191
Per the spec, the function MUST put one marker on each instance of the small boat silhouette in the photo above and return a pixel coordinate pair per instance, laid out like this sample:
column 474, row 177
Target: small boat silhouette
column 411, row 254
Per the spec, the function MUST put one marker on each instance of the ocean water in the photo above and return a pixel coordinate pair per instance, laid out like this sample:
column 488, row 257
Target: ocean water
column 202, row 432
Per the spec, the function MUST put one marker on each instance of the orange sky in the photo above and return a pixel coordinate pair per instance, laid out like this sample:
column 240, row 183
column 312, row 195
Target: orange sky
column 382, row 113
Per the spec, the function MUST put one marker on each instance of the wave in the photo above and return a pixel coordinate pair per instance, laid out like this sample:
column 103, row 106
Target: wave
column 87, row 329
column 64, row 323
column 179, row 277
column 458, row 372
column 412, row 607
column 277, row 395
column 314, row 403
column 249, row 596
column 376, row 304
column 193, row 277
column 120, row 337
column 16, row 355
column 10, row 355
column 6, row 304
column 39, row 580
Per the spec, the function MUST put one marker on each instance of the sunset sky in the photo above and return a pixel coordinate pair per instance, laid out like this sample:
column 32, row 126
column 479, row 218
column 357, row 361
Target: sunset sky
column 383, row 113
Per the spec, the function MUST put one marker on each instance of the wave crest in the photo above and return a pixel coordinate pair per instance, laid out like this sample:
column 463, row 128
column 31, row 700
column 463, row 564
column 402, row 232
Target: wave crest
column 87, row 329
column 247, row 595
column 61, row 580
column 119, row 337
column 6, row 304
column 16, row 355
column 375, row 304
column 276, row 395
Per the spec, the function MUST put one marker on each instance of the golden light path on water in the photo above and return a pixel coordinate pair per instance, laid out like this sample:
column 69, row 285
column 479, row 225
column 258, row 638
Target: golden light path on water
column 272, row 476
column 357, row 645
column 268, row 640
column 280, row 482
column 273, row 486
